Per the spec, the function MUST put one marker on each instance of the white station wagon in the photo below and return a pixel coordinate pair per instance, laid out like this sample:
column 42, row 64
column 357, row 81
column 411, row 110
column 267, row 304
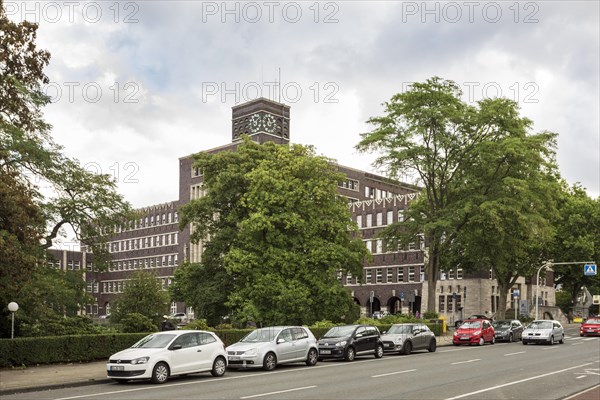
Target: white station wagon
column 544, row 331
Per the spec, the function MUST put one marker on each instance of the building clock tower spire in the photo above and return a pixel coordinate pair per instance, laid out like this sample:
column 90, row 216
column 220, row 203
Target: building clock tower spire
column 261, row 119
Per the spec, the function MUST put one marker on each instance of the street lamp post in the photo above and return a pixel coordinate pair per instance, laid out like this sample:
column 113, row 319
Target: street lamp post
column 13, row 307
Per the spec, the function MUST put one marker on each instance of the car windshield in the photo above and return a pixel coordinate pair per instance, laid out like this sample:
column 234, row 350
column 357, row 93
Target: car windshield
column 471, row 325
column 398, row 329
column 541, row 325
column 501, row 324
column 154, row 341
column 261, row 335
column 339, row 331
column 593, row 321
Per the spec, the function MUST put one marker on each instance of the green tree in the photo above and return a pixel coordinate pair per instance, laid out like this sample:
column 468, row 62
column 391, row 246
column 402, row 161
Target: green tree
column 142, row 294
column 279, row 234
column 28, row 157
column 428, row 131
column 577, row 239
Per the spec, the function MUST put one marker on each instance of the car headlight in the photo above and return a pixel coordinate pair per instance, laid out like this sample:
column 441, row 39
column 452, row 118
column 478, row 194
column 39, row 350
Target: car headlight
column 141, row 360
column 477, row 333
column 399, row 340
column 251, row 352
column 340, row 344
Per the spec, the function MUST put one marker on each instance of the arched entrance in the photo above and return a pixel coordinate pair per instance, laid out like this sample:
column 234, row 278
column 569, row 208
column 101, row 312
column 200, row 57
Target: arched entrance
column 376, row 306
column 357, row 301
column 394, row 305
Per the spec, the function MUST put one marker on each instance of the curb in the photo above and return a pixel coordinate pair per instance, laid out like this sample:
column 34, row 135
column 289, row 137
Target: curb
column 6, row 392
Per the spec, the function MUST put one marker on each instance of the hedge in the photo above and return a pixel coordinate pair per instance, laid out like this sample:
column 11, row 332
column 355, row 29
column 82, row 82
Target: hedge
column 79, row 348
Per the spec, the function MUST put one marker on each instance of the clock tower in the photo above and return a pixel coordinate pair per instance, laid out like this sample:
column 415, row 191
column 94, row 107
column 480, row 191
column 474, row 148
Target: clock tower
column 263, row 120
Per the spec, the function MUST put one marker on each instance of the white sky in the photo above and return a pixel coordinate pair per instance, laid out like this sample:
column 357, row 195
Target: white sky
column 138, row 84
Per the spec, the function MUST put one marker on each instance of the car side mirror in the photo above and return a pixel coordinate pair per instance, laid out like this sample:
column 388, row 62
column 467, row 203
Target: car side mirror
column 280, row 340
column 176, row 347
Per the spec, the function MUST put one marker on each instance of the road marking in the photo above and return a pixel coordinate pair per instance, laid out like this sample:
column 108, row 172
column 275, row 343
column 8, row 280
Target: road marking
column 575, row 344
column 582, row 376
column 550, row 348
column 393, row 373
column 278, row 392
column 587, row 339
column 516, row 382
column 465, row 362
column 512, row 354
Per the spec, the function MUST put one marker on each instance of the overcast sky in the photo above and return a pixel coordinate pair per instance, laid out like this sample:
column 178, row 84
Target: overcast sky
column 136, row 85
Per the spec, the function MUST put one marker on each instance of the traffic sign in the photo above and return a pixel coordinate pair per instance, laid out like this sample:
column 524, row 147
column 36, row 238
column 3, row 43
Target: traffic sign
column 516, row 293
column 590, row 270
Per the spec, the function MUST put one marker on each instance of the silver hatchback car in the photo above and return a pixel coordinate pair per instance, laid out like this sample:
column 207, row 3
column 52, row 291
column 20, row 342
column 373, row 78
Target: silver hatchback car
column 267, row 347
column 404, row 338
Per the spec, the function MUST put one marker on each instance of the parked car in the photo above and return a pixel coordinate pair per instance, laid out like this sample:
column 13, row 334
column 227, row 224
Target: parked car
column 162, row 355
column 404, row 338
column 474, row 331
column 544, row 331
column 268, row 347
column 349, row 341
column 509, row 330
column 474, row 316
column 591, row 327
column 179, row 317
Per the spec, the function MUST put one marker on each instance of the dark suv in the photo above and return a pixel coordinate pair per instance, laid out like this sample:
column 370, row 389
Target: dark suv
column 349, row 341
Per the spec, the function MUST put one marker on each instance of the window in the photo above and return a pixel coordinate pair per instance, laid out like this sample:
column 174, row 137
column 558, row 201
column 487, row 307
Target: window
column 378, row 276
column 400, row 215
column 400, row 274
column 349, row 278
column 359, row 221
column 459, row 273
column 442, row 302
column 368, row 276
column 379, row 248
column 175, row 259
column 369, row 220
column 389, row 218
column 411, row 274
column 389, row 275
column 379, row 219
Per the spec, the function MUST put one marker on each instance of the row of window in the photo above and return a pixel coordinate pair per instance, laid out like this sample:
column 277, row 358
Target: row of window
column 350, row 184
column 449, row 303
column 366, row 221
column 392, row 275
column 452, row 274
column 71, row 265
column 377, row 246
column 119, row 286
column 148, row 262
column 147, row 221
column 147, row 242
column 374, row 193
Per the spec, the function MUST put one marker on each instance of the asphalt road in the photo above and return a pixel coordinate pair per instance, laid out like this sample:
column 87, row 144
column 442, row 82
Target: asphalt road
column 500, row 371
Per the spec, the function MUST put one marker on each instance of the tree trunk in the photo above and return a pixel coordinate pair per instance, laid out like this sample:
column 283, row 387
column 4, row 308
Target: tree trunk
column 433, row 272
column 501, row 306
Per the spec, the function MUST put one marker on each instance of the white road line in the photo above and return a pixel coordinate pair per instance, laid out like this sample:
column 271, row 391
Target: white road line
column 589, row 338
column 394, row 373
column 581, row 376
column 516, row 382
column 465, row 362
column 550, row 348
column 512, row 354
column 278, row 392
column 575, row 344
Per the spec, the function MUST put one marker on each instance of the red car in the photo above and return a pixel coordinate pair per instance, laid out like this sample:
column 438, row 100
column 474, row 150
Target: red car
column 591, row 327
column 474, row 331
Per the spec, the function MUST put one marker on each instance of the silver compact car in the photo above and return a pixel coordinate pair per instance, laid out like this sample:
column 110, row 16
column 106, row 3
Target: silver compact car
column 267, row 347
column 404, row 338
column 161, row 355
column 509, row 330
column 544, row 331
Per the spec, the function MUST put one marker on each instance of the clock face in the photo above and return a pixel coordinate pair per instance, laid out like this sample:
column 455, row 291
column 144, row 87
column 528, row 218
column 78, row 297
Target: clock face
column 255, row 123
column 269, row 123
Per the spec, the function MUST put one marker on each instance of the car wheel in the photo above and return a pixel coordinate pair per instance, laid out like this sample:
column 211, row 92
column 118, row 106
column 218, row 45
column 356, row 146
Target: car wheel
column 379, row 351
column 350, row 354
column 523, row 341
column 493, row 341
column 160, row 373
column 510, row 338
column 551, row 341
column 481, row 341
column 270, row 362
column 407, row 349
column 219, row 367
column 432, row 346
column 312, row 358
column 562, row 339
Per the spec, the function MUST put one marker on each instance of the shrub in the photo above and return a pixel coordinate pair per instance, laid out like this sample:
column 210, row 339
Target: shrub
column 135, row 322
column 430, row 315
column 199, row 324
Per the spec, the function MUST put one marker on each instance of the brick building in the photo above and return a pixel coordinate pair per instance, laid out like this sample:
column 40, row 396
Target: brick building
column 394, row 279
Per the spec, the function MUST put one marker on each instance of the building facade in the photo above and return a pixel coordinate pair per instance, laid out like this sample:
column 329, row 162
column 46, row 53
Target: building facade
column 393, row 281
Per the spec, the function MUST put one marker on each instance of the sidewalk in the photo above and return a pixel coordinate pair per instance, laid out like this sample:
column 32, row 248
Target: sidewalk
column 45, row 377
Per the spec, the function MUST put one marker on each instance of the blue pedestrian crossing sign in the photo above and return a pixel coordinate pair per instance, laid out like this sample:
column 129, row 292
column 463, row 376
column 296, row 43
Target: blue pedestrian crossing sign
column 590, row 270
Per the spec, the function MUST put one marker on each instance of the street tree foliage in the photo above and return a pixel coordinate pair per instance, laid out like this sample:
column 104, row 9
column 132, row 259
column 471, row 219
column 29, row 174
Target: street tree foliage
column 278, row 236
column 577, row 239
column 474, row 164
column 31, row 220
column 142, row 294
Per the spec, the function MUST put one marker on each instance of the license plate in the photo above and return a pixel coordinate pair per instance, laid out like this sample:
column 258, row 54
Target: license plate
column 464, row 338
column 325, row 351
column 117, row 368
column 234, row 358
